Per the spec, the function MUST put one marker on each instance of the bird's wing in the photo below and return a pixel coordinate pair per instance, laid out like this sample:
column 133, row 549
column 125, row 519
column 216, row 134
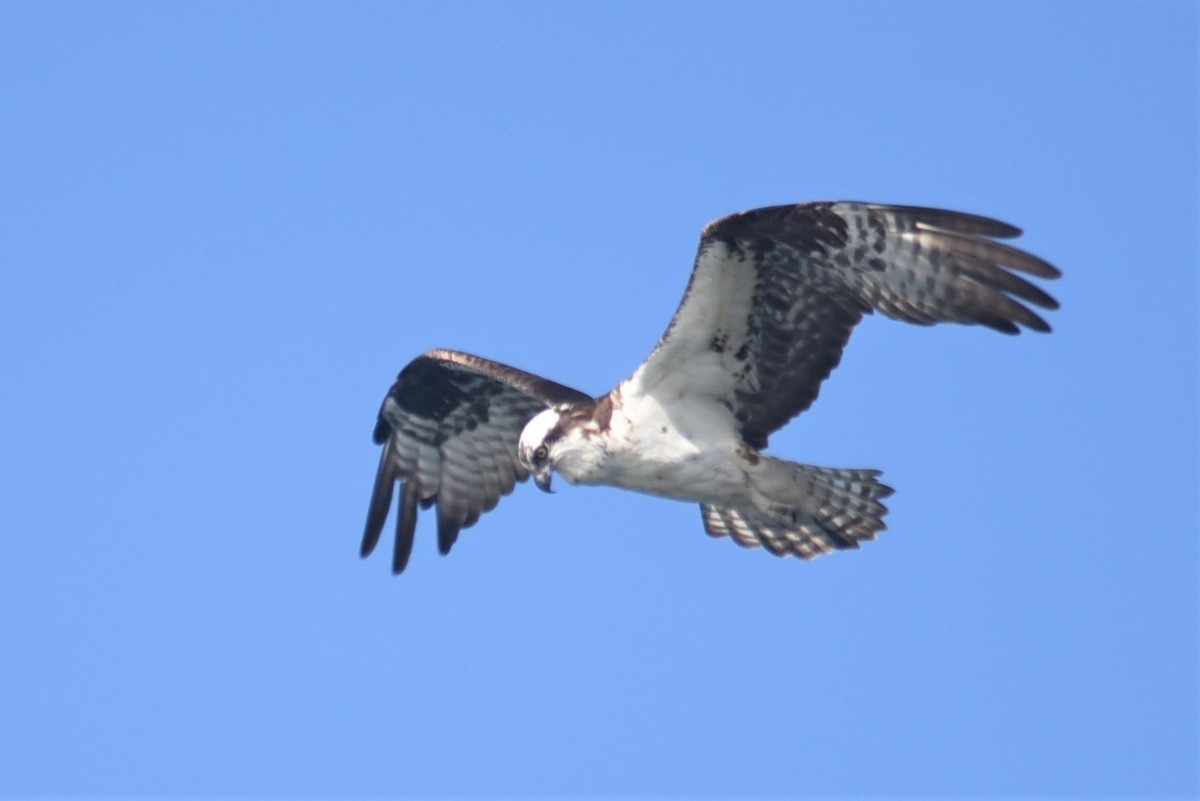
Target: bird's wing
column 776, row 291
column 449, row 427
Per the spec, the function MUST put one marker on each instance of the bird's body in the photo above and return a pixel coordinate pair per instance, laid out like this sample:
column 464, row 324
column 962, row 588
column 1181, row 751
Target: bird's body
column 684, row 452
column 770, row 305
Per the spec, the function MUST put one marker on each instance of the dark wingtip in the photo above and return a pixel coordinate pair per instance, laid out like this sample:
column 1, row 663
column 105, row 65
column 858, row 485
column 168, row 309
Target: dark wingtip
column 406, row 526
column 957, row 221
column 1002, row 325
column 381, row 499
column 369, row 541
column 1042, row 327
column 383, row 430
column 373, row 529
column 447, row 535
column 399, row 561
column 1031, row 321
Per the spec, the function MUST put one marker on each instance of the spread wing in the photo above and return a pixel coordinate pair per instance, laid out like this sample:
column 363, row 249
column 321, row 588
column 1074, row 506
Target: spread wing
column 776, row 291
column 449, row 427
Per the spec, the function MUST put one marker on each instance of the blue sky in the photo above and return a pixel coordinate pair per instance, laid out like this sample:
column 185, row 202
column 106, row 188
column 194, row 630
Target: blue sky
column 225, row 227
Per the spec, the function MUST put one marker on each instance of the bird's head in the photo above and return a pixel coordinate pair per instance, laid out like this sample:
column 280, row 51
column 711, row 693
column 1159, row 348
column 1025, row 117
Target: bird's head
column 536, row 449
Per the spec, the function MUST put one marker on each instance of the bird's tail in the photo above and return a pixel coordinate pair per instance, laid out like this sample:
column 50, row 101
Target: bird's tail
column 804, row 510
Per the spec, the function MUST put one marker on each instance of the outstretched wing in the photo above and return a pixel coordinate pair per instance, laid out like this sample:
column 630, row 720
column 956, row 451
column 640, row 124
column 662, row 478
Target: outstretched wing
column 449, row 427
column 776, row 291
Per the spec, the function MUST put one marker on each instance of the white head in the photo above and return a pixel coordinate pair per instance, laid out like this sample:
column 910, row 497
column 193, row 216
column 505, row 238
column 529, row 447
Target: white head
column 536, row 446
column 562, row 439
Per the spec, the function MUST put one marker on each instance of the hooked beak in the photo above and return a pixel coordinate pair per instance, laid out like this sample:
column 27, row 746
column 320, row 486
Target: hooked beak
column 542, row 479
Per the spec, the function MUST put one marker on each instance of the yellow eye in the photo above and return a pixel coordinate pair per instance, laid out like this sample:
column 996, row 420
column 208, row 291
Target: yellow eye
column 541, row 453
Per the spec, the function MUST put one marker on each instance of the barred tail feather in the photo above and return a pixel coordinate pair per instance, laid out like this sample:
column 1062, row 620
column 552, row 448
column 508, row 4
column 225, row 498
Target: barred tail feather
column 810, row 511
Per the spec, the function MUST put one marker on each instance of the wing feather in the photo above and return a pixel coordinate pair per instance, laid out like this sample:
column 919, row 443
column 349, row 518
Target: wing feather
column 406, row 527
column 381, row 497
column 449, row 427
column 775, row 293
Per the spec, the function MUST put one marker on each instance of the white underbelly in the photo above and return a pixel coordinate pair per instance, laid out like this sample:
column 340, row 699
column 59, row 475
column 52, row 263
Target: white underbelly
column 678, row 469
column 687, row 451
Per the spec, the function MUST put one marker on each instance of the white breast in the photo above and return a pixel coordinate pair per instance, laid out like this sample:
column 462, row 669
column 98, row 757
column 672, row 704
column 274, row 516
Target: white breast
column 678, row 450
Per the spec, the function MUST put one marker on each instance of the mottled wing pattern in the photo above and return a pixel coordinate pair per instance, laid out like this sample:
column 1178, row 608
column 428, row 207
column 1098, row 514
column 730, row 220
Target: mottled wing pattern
column 449, row 427
column 776, row 291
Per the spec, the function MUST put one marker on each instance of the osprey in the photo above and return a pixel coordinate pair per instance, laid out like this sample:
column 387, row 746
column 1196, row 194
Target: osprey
column 773, row 296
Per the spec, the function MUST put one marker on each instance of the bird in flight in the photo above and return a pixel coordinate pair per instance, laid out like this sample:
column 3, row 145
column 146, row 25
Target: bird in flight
column 773, row 296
